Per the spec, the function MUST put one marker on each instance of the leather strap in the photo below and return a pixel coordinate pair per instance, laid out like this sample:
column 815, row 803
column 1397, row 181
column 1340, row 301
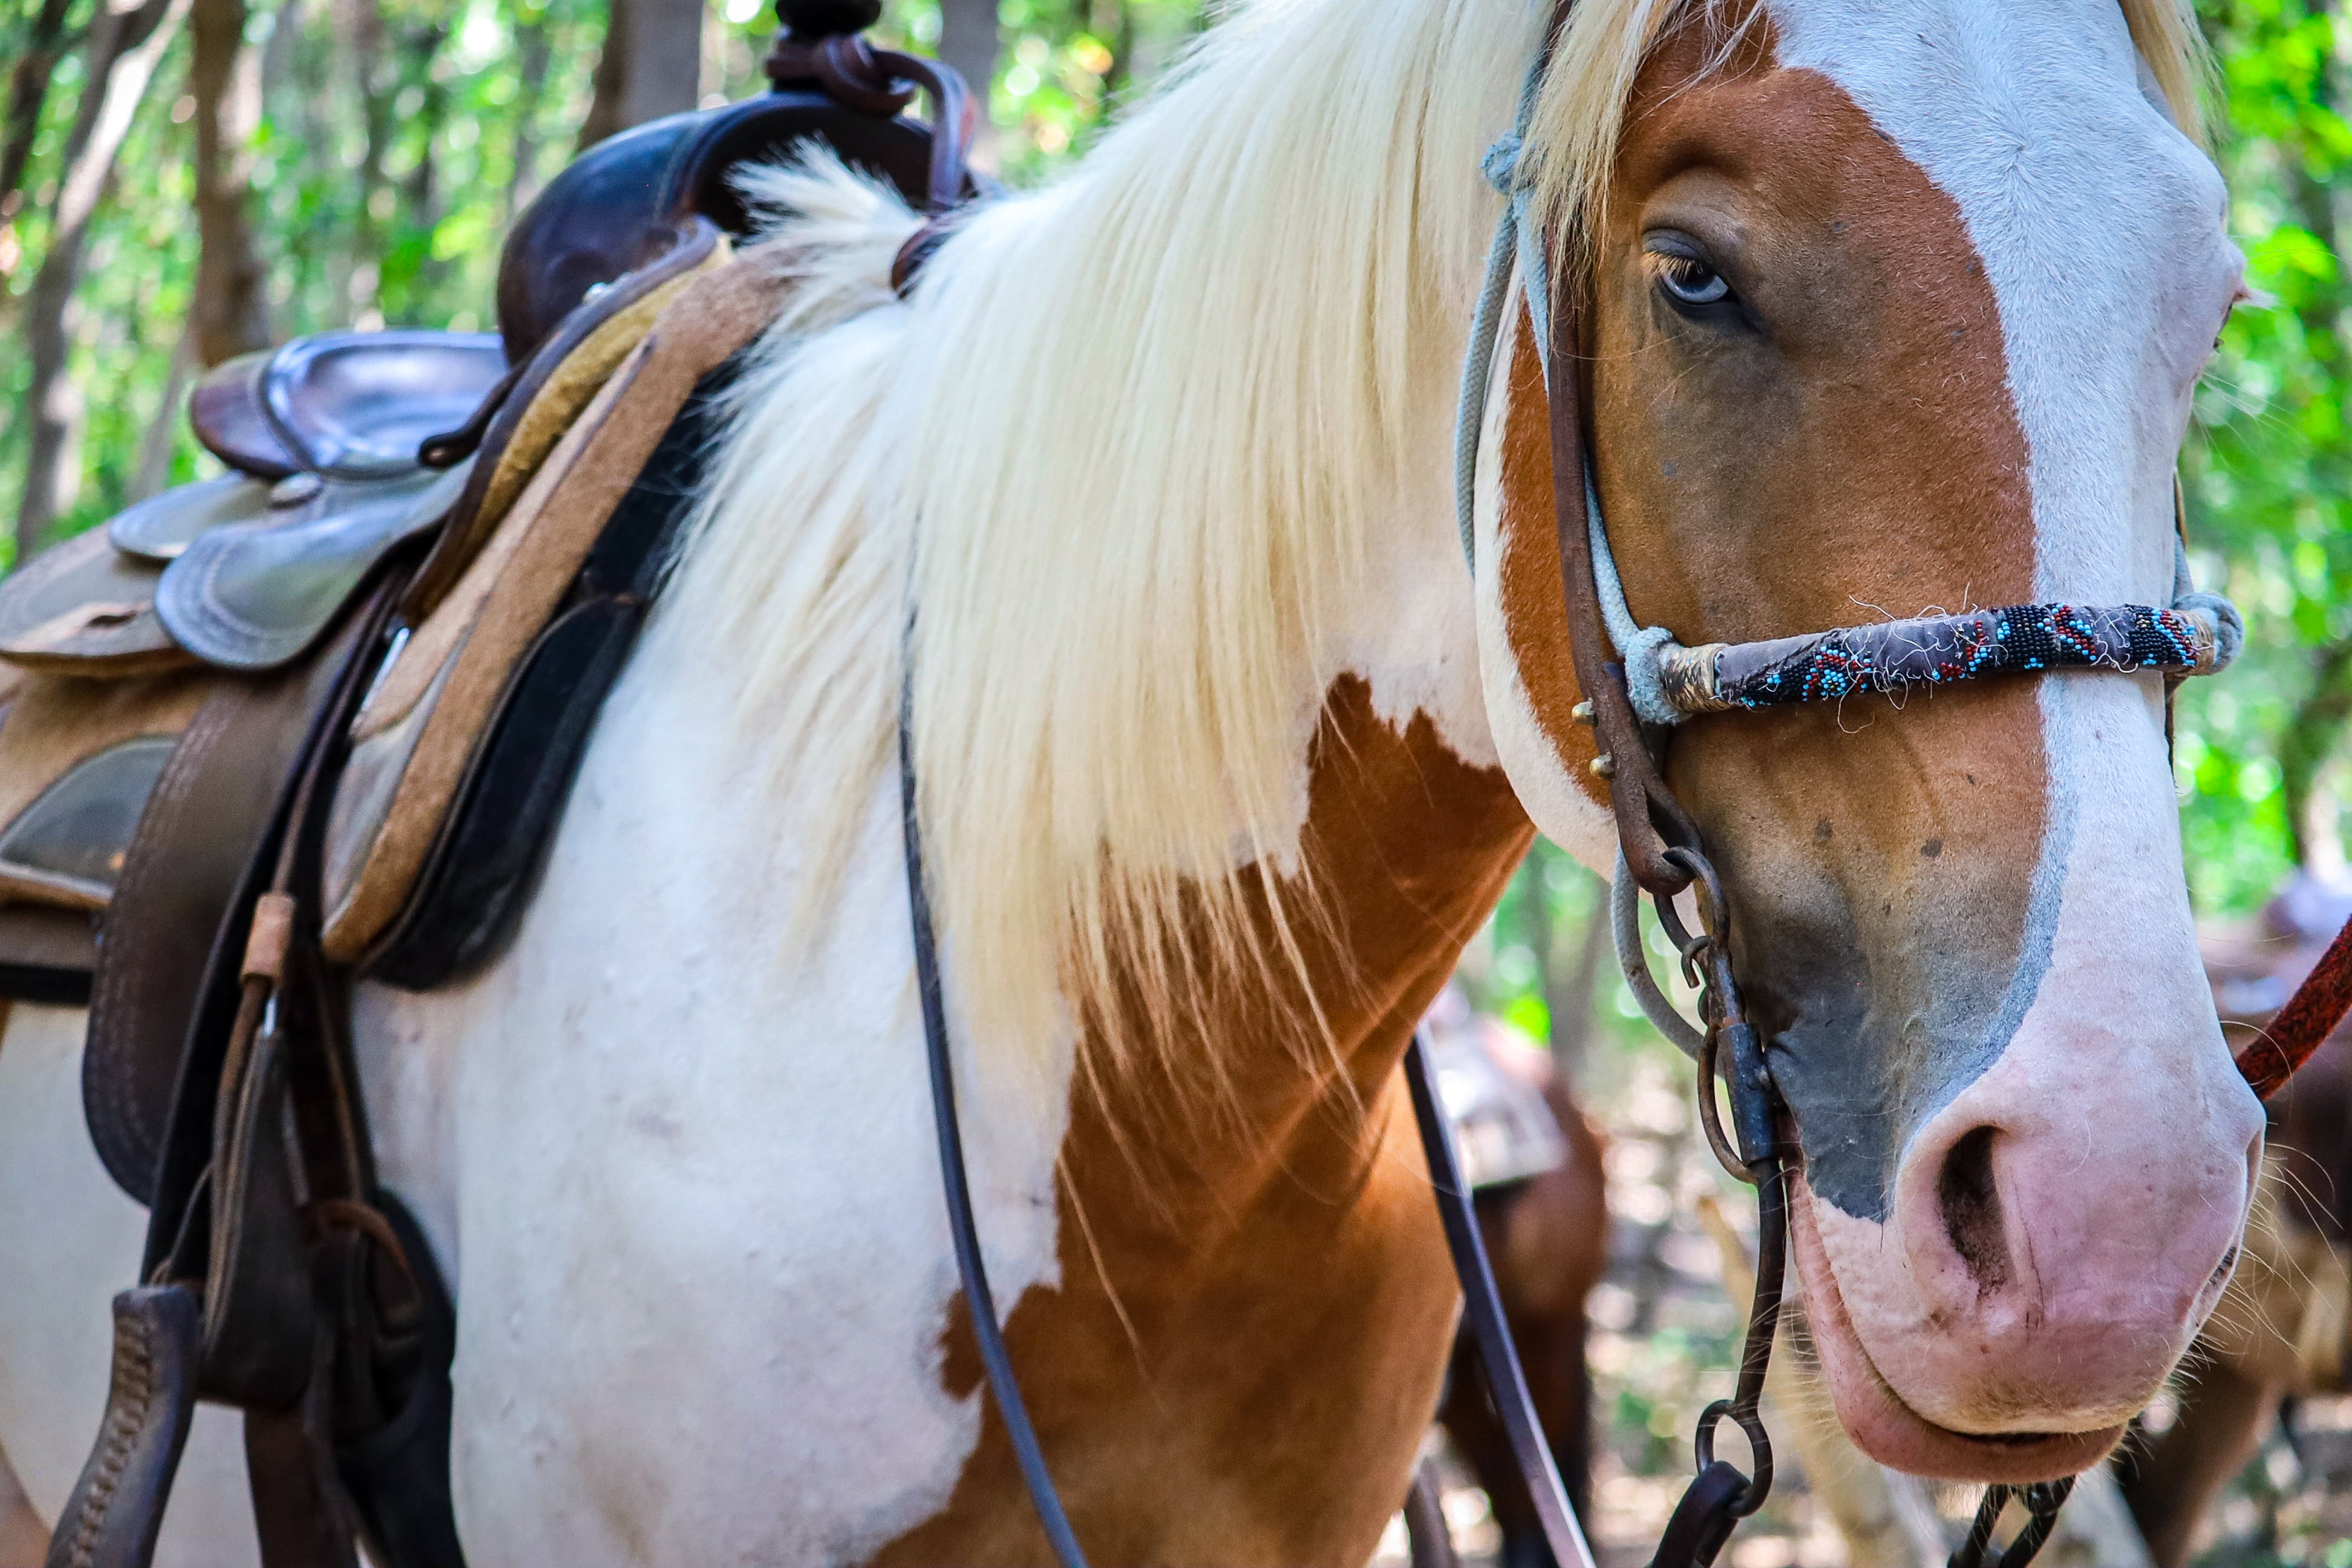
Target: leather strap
column 971, row 1266
column 116, row 1510
column 1638, row 796
column 192, row 857
column 2300, row 1027
column 1482, row 1305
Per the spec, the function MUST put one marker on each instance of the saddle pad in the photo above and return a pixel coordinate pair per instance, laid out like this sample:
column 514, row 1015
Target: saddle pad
column 547, row 396
column 83, row 607
column 416, row 739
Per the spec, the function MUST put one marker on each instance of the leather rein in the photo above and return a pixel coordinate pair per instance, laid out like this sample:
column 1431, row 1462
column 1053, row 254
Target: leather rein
column 1639, row 682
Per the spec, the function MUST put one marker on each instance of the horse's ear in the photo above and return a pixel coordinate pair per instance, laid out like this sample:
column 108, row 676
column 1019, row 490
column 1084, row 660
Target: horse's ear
column 1532, row 605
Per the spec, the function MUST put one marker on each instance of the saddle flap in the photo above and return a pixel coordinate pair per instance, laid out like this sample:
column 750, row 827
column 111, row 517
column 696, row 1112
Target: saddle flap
column 254, row 596
column 67, row 846
column 357, row 406
column 83, row 607
column 77, row 763
column 161, row 526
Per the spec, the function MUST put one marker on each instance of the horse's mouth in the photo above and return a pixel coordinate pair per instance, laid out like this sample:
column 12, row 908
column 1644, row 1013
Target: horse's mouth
column 1886, row 1428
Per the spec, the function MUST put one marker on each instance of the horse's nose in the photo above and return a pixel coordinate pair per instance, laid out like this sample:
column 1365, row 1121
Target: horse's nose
column 2067, row 1247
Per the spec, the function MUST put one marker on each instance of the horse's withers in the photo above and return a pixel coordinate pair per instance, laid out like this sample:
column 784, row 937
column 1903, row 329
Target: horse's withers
column 1947, row 364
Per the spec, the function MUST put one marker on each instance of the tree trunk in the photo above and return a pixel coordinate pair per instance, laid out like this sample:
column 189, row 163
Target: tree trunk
column 162, row 432
column 123, row 49
column 2311, row 733
column 230, row 313
column 421, row 191
column 359, row 27
column 29, row 91
column 534, row 54
column 651, row 65
column 969, row 42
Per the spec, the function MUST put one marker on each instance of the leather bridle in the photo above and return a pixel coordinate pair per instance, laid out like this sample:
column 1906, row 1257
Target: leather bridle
column 1638, row 683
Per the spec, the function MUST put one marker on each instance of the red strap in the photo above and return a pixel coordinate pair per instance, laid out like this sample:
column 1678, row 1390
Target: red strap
column 2309, row 1017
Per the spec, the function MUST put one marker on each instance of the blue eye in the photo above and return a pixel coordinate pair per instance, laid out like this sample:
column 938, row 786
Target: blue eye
column 1691, row 281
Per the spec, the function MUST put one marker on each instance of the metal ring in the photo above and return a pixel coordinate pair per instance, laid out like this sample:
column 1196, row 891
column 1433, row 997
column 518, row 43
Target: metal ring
column 1750, row 1422
column 1715, row 912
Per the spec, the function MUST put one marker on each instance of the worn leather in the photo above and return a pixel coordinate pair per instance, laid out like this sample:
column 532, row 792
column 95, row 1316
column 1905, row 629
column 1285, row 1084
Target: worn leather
column 1638, row 795
column 357, row 406
column 547, row 395
column 69, row 846
column 47, row 954
column 231, row 417
column 83, row 607
column 78, row 760
column 179, row 881
column 301, row 1518
column 619, row 205
column 253, row 595
column 353, row 405
column 116, row 1509
column 161, row 526
column 405, row 1333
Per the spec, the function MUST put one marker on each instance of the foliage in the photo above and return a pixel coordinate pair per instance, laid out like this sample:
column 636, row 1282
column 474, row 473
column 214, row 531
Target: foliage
column 2270, row 500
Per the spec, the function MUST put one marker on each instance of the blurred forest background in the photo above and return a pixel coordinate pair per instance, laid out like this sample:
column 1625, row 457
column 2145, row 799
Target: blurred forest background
column 183, row 180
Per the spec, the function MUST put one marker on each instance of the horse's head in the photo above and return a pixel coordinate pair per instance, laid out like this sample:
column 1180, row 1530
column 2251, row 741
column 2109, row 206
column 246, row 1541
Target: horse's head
column 1894, row 309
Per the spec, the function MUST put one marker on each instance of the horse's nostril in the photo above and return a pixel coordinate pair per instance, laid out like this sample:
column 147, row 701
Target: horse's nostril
column 1971, row 1208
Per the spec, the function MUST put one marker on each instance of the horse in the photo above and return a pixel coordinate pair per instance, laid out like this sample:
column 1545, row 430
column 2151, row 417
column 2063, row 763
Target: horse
column 1141, row 495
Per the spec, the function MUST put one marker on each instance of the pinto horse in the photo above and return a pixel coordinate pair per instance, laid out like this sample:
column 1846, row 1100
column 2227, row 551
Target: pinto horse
column 1145, row 486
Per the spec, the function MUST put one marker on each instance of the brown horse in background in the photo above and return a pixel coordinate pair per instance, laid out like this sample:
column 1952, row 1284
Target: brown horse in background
column 2284, row 1330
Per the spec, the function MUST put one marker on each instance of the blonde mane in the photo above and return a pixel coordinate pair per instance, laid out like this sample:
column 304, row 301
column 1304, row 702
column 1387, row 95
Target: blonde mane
column 1579, row 114
column 1123, row 452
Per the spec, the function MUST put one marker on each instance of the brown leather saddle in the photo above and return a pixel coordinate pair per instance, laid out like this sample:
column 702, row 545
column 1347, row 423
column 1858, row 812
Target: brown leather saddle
column 341, row 690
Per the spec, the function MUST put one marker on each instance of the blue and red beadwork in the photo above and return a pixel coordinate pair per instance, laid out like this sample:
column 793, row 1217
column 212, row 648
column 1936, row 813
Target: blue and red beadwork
column 1940, row 649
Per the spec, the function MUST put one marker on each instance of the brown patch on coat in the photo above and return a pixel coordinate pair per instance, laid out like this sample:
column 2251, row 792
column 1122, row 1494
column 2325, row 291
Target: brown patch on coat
column 1851, row 450
column 1528, row 591
column 1256, row 1303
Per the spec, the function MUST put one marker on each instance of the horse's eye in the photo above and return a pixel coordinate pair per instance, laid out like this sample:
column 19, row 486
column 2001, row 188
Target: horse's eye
column 1691, row 281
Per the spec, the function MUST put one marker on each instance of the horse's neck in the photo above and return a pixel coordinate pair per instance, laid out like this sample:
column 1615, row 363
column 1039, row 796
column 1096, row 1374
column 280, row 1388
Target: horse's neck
column 1408, row 831
column 1243, row 1223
